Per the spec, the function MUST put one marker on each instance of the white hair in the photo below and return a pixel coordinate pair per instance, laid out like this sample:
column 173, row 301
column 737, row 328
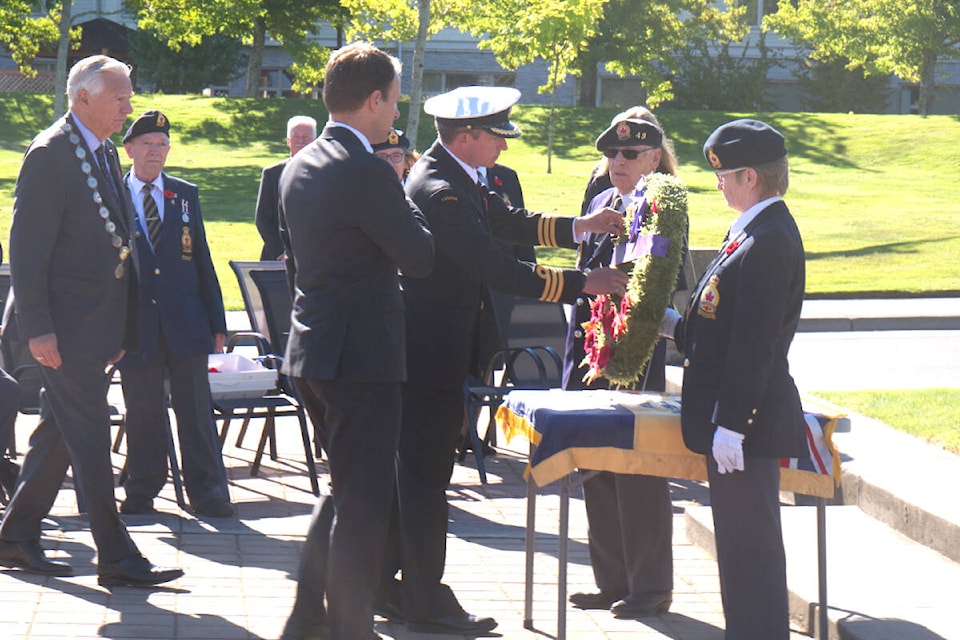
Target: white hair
column 88, row 74
column 296, row 121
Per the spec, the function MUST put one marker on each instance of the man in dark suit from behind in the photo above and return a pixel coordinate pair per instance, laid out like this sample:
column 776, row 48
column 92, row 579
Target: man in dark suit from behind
column 348, row 228
column 301, row 131
column 181, row 321
column 72, row 261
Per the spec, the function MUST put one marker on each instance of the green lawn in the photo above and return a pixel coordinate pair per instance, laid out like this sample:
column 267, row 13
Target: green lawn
column 877, row 198
column 930, row 414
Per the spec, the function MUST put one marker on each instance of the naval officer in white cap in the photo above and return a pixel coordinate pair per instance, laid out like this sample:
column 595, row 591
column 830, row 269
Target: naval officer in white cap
column 446, row 311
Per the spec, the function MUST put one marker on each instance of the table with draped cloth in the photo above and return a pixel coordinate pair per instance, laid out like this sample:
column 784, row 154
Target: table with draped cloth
column 636, row 432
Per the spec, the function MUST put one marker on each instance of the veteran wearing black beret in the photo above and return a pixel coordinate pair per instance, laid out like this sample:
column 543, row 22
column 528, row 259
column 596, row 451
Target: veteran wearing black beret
column 396, row 150
column 182, row 320
column 741, row 407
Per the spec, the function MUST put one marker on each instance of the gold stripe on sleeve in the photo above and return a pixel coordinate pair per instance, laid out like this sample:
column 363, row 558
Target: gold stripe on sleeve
column 552, row 283
column 547, row 230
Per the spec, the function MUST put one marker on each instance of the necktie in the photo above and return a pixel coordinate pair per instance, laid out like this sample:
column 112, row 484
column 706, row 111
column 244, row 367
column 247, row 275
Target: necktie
column 151, row 216
column 617, row 203
column 107, row 170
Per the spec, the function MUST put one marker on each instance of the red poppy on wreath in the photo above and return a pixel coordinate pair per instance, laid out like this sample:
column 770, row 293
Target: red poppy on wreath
column 497, row 181
column 732, row 247
column 169, row 194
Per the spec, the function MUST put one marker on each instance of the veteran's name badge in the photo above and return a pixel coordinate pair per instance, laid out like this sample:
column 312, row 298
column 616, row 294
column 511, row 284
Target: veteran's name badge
column 709, row 299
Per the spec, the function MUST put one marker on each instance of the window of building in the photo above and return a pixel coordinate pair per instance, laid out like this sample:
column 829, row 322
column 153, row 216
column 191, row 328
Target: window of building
column 756, row 9
column 435, row 82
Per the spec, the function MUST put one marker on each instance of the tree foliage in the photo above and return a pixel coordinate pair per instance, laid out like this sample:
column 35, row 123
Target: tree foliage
column 903, row 37
column 648, row 38
column 213, row 61
column 24, row 35
column 520, row 31
column 712, row 77
column 291, row 22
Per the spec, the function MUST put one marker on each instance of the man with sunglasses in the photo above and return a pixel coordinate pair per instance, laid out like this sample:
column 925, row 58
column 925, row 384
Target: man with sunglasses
column 630, row 516
column 741, row 407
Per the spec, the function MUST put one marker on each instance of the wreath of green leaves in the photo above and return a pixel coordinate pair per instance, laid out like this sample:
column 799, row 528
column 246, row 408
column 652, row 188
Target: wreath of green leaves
column 649, row 291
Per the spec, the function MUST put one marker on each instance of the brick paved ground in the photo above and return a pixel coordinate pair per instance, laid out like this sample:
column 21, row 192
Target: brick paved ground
column 240, row 572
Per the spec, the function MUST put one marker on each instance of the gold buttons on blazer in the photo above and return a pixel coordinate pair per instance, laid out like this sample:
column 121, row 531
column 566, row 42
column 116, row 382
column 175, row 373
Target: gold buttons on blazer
column 686, row 362
column 580, row 302
column 156, row 271
column 578, row 334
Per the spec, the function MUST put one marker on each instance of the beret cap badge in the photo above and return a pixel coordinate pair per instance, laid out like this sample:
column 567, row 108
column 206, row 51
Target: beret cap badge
column 623, row 131
column 714, row 159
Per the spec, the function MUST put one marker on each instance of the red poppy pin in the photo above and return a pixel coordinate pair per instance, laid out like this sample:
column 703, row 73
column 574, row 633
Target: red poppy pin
column 732, row 247
column 169, row 194
column 497, row 181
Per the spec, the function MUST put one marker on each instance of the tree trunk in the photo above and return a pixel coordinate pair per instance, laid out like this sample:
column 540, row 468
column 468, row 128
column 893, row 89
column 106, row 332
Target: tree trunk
column 255, row 65
column 588, row 83
column 554, row 81
column 63, row 50
column 927, row 83
column 416, row 74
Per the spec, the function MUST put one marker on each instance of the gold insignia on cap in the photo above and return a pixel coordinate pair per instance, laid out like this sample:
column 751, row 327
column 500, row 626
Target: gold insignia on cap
column 623, row 131
column 161, row 120
column 714, row 159
column 393, row 138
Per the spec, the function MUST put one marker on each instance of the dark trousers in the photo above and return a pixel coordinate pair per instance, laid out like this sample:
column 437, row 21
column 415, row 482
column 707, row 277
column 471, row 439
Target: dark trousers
column 630, row 519
column 9, row 406
column 144, row 393
column 74, row 428
column 750, row 555
column 432, row 418
column 343, row 556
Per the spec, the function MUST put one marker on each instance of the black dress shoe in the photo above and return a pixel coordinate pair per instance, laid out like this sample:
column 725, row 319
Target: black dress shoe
column 463, row 623
column 135, row 571
column 599, row 600
column 214, row 509
column 134, row 506
column 29, row 556
column 642, row 605
column 389, row 610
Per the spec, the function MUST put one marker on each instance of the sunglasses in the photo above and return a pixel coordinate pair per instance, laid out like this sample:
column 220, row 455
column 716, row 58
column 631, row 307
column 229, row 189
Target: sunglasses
column 629, row 154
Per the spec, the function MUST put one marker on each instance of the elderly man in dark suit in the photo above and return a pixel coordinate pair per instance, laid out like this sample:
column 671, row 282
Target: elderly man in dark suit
column 301, row 131
column 72, row 260
column 740, row 405
column 444, row 314
column 181, row 321
column 348, row 228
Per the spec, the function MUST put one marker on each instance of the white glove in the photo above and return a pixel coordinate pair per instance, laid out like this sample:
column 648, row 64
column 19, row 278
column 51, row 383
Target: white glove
column 728, row 450
column 668, row 325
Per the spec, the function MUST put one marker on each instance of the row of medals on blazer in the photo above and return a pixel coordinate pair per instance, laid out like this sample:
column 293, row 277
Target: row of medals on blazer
column 122, row 247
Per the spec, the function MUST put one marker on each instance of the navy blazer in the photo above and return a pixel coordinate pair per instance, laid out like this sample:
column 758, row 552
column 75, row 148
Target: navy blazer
column 266, row 217
column 443, row 310
column 179, row 290
column 63, row 264
column 735, row 335
column 347, row 227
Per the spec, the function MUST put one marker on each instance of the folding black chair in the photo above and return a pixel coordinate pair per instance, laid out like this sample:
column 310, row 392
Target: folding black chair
column 266, row 296
column 531, row 360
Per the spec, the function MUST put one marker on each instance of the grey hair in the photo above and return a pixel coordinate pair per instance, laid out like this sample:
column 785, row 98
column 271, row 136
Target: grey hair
column 296, row 121
column 88, row 74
